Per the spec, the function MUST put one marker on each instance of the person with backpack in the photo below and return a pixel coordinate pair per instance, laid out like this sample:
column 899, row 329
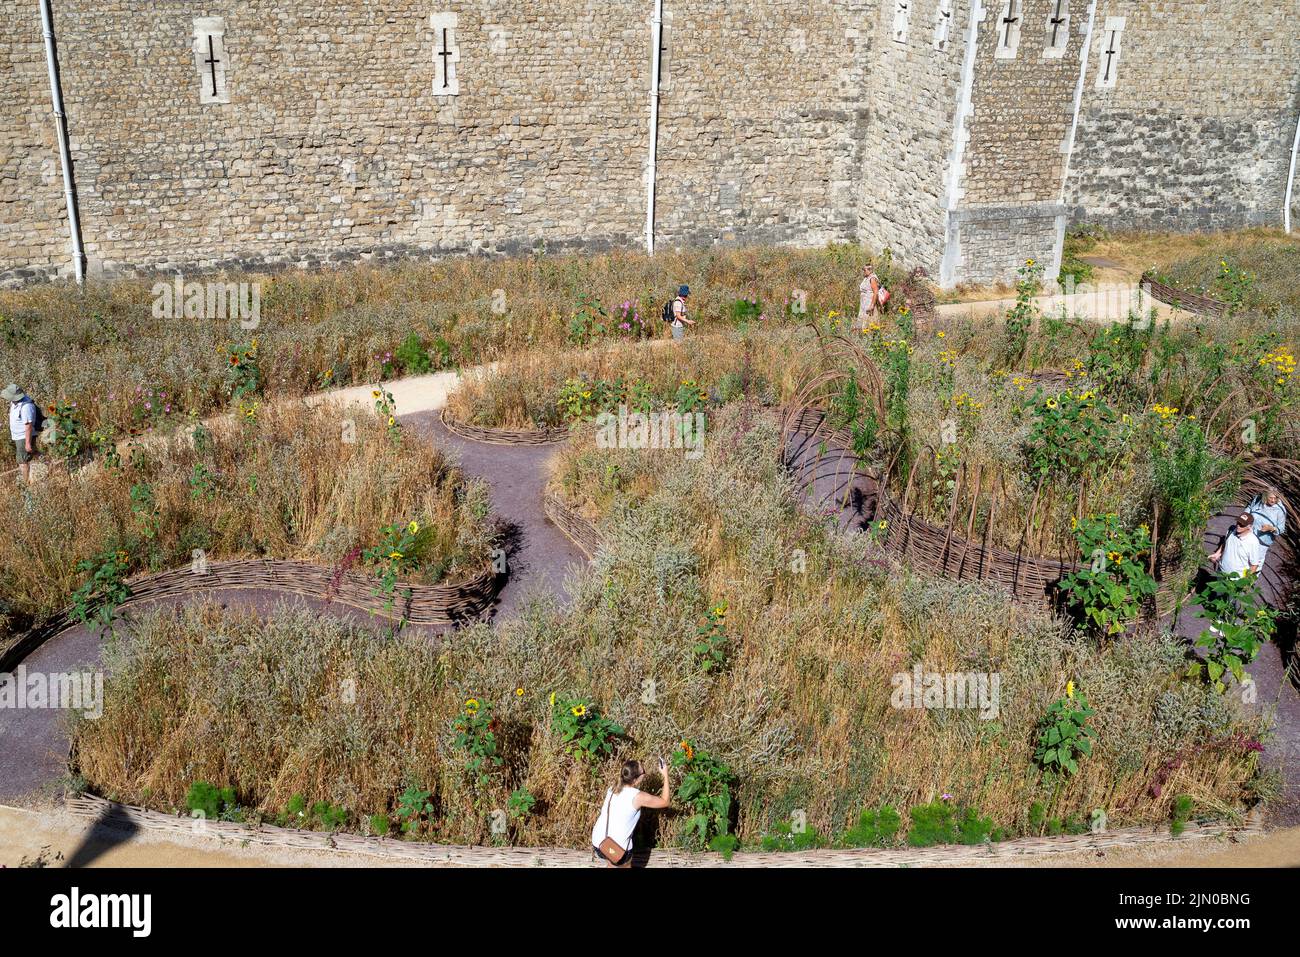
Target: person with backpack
column 872, row 295
column 675, row 313
column 611, row 835
column 25, row 422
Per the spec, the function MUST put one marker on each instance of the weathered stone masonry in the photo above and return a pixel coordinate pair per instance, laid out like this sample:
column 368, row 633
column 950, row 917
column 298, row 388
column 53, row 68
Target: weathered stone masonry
column 799, row 121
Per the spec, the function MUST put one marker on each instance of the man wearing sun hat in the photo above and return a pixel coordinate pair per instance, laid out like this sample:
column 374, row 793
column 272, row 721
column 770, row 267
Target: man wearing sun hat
column 24, row 426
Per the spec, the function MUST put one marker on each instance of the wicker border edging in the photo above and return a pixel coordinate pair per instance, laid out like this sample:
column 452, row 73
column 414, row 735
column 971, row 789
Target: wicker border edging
column 110, row 813
column 1181, row 299
column 524, row 437
column 437, row 605
column 581, row 531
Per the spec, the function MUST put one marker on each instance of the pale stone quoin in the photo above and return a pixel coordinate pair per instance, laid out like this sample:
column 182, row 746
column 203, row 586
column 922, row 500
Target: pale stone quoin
column 277, row 132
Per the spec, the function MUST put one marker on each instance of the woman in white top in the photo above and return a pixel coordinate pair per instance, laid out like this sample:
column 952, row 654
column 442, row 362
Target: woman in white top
column 868, row 295
column 621, row 809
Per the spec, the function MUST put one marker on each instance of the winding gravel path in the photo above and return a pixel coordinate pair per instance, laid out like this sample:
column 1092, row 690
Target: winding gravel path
column 34, row 743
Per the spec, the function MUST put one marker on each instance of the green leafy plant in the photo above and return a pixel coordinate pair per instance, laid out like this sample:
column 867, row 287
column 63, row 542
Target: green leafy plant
column 380, row 824
column 584, row 732
column 399, row 549
column 1021, row 316
column 70, row 438
column 386, row 409
column 243, row 376
column 588, row 321
column 412, row 355
column 520, row 804
column 690, row 397
column 414, row 809
column 1241, row 623
column 97, row 599
column 1108, row 588
column 711, row 641
column 329, row 816
column 1180, row 814
column 476, row 739
column 705, row 788
column 1069, row 434
column 1064, row 735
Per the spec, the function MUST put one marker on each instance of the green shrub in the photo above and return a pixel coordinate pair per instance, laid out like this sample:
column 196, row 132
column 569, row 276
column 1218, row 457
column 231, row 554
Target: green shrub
column 877, row 828
column 412, row 356
column 380, row 824
column 211, row 802
column 1241, row 623
column 329, row 816
column 784, row 837
column 1181, row 813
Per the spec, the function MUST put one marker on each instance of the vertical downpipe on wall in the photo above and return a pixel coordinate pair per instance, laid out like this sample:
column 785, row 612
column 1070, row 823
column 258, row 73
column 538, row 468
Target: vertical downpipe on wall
column 1290, row 178
column 960, row 134
column 1058, row 250
column 65, row 154
column 656, row 39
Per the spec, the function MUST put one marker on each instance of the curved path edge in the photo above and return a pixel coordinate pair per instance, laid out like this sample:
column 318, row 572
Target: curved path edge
column 110, row 814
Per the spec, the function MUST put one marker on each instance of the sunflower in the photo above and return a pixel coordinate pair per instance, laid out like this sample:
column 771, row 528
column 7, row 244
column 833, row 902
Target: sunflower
column 519, row 692
column 374, row 393
column 413, row 528
column 688, row 751
column 394, row 554
column 552, row 699
column 472, row 705
column 1069, row 689
column 579, row 710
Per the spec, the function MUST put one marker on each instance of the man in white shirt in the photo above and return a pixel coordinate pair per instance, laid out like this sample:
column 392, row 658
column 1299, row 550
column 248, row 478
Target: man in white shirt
column 1241, row 553
column 22, row 427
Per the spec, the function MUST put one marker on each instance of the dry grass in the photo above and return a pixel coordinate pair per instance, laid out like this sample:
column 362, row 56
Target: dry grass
column 801, row 712
column 767, row 360
column 105, row 350
column 285, row 486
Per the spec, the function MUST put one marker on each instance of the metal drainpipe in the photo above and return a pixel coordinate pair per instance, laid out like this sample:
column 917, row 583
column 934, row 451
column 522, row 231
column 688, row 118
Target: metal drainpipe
column 1290, row 179
column 657, row 34
column 65, row 154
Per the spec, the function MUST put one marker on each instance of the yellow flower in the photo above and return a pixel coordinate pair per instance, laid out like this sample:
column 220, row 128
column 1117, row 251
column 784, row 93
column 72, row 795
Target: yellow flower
column 552, row 699
column 374, row 393
column 941, row 334
column 394, row 554
column 472, row 705
column 391, row 420
column 519, row 692
column 1051, row 403
column 414, row 527
column 579, row 710
column 1069, row 689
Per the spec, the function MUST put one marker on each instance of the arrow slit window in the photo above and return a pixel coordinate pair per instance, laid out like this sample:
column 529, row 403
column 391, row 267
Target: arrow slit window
column 942, row 25
column 1109, row 49
column 1058, row 29
column 1009, row 25
column 446, row 54
column 902, row 10
column 210, row 59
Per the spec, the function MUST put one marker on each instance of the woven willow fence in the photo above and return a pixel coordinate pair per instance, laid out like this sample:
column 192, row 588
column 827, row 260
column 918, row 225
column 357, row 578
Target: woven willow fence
column 477, row 433
column 1181, row 299
column 431, row 605
column 581, row 531
column 111, row 814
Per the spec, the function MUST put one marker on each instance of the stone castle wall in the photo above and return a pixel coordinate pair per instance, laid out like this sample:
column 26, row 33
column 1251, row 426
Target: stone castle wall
column 1197, row 132
column 792, row 121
